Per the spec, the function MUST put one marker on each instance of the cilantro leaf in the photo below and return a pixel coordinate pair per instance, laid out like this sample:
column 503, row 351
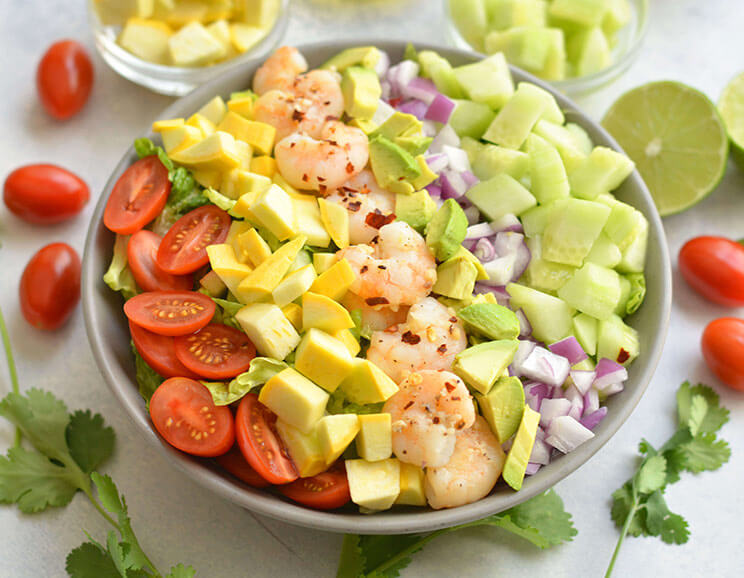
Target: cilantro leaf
column 33, row 482
column 623, row 503
column 89, row 441
column 351, row 563
column 672, row 528
column 147, row 378
column 698, row 411
column 645, row 448
column 703, row 453
column 119, row 552
column 716, row 415
column 89, row 560
column 386, row 556
column 181, row 571
column 651, row 475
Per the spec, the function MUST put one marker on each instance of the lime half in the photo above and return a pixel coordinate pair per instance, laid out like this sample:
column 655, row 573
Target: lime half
column 676, row 137
column 731, row 107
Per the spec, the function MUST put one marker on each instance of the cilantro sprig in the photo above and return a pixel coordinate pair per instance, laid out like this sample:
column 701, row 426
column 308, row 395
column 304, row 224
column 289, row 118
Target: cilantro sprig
column 638, row 507
column 541, row 520
column 65, row 451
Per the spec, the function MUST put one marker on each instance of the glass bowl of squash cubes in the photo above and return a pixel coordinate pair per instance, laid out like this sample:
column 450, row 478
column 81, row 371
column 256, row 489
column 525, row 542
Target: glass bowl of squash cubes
column 576, row 45
column 174, row 46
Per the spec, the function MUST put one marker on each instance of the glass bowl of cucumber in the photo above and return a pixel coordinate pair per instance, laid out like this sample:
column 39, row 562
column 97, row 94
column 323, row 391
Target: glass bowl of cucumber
column 578, row 46
column 173, row 48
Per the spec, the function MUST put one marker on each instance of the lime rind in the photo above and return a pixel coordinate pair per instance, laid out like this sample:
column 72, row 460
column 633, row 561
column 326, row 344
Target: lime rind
column 731, row 107
column 677, row 139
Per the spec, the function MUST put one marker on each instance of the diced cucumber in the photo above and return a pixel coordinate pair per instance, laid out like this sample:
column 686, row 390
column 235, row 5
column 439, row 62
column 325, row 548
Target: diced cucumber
column 551, row 318
column 537, row 50
column 617, row 341
column 564, row 140
column 515, row 120
column 624, row 296
column 471, row 118
column 441, row 73
column 555, row 64
column 470, row 18
column 634, row 256
column 572, row 230
column 618, row 15
column 547, row 173
column 582, row 140
column 501, row 195
column 624, row 225
column 585, row 330
column 487, row 160
column 594, row 290
column 588, row 51
column 607, row 199
column 581, row 12
column 604, row 252
column 544, row 275
column 488, row 81
column 504, row 14
column 601, row 172
column 536, row 219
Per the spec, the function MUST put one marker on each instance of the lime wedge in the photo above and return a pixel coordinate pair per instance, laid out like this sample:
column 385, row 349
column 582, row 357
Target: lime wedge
column 731, row 107
column 676, row 138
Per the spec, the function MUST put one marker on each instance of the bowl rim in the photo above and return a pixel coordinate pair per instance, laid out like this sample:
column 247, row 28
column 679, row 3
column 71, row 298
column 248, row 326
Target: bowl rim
column 393, row 521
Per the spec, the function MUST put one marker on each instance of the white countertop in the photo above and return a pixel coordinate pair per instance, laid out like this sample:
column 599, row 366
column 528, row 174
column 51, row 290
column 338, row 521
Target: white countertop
column 692, row 41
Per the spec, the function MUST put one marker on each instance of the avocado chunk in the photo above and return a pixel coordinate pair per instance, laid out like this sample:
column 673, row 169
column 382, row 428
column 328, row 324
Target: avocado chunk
column 415, row 144
column 521, row 450
column 399, row 123
column 269, row 329
column 482, row 273
column 447, row 230
column 481, row 365
column 365, row 56
column 294, row 399
column 367, row 383
column 393, row 166
column 374, row 441
column 374, row 485
column 492, row 321
column 323, row 261
column 323, row 359
column 503, row 407
column 304, row 448
column 362, row 91
column 335, row 433
column 456, row 278
column 416, row 209
column 411, row 486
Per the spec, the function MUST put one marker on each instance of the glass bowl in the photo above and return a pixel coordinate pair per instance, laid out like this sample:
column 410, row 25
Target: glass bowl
column 625, row 52
column 173, row 80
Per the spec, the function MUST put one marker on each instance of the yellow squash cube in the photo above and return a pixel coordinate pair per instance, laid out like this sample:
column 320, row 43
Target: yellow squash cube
column 168, row 123
column 215, row 110
column 264, row 278
column 257, row 134
column 242, row 106
column 305, row 449
column 323, row 261
column 116, row 12
column 213, row 285
column 193, row 45
column 367, row 383
column 264, row 165
column 345, row 336
column 147, row 39
column 374, row 441
column 294, row 399
column 293, row 285
column 205, row 126
column 293, row 312
column 335, row 282
column 411, row 486
column 239, row 182
column 244, row 37
column 237, row 228
column 243, row 207
column 259, row 13
column 245, row 152
column 324, row 313
column 335, row 219
column 220, row 29
column 180, row 137
column 215, row 153
column 374, row 485
column 274, row 210
column 225, row 264
column 335, row 433
column 255, row 249
column 323, row 359
column 269, row 330
column 309, row 223
column 207, row 179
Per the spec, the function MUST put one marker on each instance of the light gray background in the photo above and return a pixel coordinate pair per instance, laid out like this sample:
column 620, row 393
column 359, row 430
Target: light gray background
column 692, row 41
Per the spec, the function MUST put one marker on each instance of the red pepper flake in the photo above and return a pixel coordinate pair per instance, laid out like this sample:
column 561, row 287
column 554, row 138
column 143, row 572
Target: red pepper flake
column 453, row 319
column 375, row 240
column 354, row 206
column 410, row 338
column 365, row 190
column 456, row 398
column 364, row 269
column 305, row 178
column 298, row 115
column 401, row 178
column 377, row 220
column 349, row 167
column 409, row 404
column 322, row 189
column 460, row 424
column 330, row 118
column 442, row 349
column 321, row 180
column 347, row 189
column 382, row 267
column 372, row 301
column 292, row 145
column 623, row 356
column 327, row 103
column 394, row 102
column 435, row 420
column 449, row 386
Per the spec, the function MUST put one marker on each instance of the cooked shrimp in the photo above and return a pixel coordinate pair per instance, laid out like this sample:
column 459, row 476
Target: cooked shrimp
column 396, row 269
column 279, row 70
column 305, row 105
column 325, row 164
column 426, row 412
column 374, row 318
column 429, row 339
column 368, row 205
column 471, row 472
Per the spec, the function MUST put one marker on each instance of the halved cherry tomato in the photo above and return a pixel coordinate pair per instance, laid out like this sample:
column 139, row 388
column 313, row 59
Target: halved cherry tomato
column 159, row 352
column 714, row 267
column 234, row 462
column 141, row 251
column 170, row 312
column 64, row 79
column 326, row 491
column 216, row 352
column 45, row 194
column 184, row 247
column 183, row 412
column 723, row 350
column 255, row 430
column 50, row 286
column 138, row 196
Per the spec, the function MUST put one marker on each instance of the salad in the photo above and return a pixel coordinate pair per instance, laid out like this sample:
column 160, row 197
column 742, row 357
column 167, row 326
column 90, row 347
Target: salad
column 390, row 285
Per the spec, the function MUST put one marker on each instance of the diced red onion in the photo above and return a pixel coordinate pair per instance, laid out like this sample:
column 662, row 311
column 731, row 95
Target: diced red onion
column 469, row 244
column 566, row 434
column 506, row 243
column 531, row 469
column 612, row 389
column 522, row 260
column 544, row 366
column 553, row 408
column 384, row 111
column 429, row 128
column 582, row 380
column 507, row 223
column 500, row 271
column 608, row 373
column 484, row 251
column 437, row 163
column 415, row 107
column 570, row 349
column 421, row 89
column 458, row 159
column 593, row 419
column 453, row 185
column 445, row 137
column 470, row 178
column 434, row 190
column 401, row 75
column 386, row 89
column 525, row 327
column 577, row 401
column 537, row 392
column 591, row 401
column 479, row 231
column 383, row 64
column 440, row 109
column 502, row 297
column 539, row 433
column 524, row 349
column 540, row 452
column 473, row 214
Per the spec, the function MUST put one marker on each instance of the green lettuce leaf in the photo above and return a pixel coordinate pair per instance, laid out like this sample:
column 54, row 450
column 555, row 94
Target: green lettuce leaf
column 637, row 292
column 262, row 370
column 148, row 379
column 119, row 277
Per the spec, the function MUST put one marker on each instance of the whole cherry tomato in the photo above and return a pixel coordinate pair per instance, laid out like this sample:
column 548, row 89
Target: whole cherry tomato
column 50, row 286
column 64, row 79
column 45, row 194
column 723, row 350
column 714, row 267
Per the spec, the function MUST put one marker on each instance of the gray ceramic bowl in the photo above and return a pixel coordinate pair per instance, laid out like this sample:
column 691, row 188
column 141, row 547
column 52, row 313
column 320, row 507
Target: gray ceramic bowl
column 109, row 339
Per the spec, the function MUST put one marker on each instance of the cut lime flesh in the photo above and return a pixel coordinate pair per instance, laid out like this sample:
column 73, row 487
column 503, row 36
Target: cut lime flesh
column 677, row 139
column 731, row 107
